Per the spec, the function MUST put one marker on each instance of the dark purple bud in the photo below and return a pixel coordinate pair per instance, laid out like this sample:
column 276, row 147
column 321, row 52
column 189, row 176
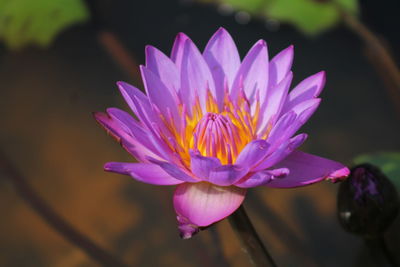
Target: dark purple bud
column 367, row 201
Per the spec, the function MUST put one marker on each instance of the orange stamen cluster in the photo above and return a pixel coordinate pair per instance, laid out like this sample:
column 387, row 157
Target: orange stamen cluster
column 214, row 133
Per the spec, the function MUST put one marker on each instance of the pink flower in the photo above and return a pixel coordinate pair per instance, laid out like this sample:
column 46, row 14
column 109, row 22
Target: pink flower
column 215, row 125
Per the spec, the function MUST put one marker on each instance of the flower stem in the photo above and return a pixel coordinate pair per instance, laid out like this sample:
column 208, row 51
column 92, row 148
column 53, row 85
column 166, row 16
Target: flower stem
column 378, row 54
column 39, row 205
column 380, row 252
column 251, row 242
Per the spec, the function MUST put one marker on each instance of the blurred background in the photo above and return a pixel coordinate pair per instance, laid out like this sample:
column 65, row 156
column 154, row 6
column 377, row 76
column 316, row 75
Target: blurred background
column 60, row 61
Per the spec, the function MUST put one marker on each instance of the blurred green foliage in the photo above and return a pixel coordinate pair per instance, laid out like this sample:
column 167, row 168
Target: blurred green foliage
column 388, row 162
column 310, row 16
column 25, row 22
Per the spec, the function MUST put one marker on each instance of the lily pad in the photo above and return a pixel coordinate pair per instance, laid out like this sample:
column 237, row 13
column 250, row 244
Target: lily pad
column 309, row 16
column 25, row 22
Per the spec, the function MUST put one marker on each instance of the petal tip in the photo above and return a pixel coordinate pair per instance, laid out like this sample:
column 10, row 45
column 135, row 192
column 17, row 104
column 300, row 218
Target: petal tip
column 186, row 229
column 261, row 43
column 107, row 166
column 339, row 175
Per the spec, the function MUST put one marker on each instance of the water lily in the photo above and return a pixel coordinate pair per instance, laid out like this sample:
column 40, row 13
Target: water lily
column 216, row 125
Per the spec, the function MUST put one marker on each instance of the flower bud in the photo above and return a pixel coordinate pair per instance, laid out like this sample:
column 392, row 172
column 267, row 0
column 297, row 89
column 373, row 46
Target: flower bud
column 367, row 201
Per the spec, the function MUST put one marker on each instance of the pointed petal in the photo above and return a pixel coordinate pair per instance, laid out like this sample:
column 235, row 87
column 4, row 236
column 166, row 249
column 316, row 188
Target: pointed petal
column 309, row 88
column 163, row 67
column 143, row 172
column 196, row 78
column 285, row 149
column 263, row 177
column 227, row 174
column 132, row 127
column 223, row 59
column 177, row 49
column 307, row 169
column 160, row 96
column 280, row 66
column 252, row 153
column 128, row 142
column 130, row 93
column 276, row 98
column 202, row 204
column 202, row 166
column 279, row 133
column 253, row 73
column 304, row 111
column 175, row 171
column 139, row 103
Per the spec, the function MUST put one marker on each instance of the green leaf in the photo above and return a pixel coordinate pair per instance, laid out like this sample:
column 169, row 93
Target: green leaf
column 252, row 6
column 310, row 16
column 25, row 22
column 388, row 162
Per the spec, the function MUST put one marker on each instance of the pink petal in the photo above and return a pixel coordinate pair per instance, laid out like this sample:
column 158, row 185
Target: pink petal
column 177, row 49
column 202, row 166
column 132, row 127
column 139, row 103
column 226, row 175
column 120, row 133
column 223, row 59
column 280, row 66
column 196, row 78
column 253, row 73
column 130, row 94
column 202, row 204
column 263, row 177
column 304, row 111
column 175, row 171
column 279, row 133
column 307, row 169
column 309, row 88
column 164, row 68
column 160, row 96
column 252, row 153
column 285, row 149
column 276, row 98
column 143, row 172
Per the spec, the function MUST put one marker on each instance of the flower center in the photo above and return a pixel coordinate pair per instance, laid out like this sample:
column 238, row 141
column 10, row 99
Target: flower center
column 216, row 136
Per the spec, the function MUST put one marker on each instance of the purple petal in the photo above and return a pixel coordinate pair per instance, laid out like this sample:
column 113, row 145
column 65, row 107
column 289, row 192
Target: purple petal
column 252, row 153
column 196, row 78
column 132, row 127
column 304, row 111
column 177, row 49
column 160, row 96
column 227, row 174
column 285, row 149
column 175, row 171
column 138, row 102
column 143, row 172
column 128, row 142
column 223, row 59
column 279, row 133
column 253, row 73
column 276, row 97
column 263, row 177
column 309, row 88
column 202, row 204
column 280, row 66
column 202, row 166
column 291, row 122
column 307, row 169
column 164, row 68
column 140, row 105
